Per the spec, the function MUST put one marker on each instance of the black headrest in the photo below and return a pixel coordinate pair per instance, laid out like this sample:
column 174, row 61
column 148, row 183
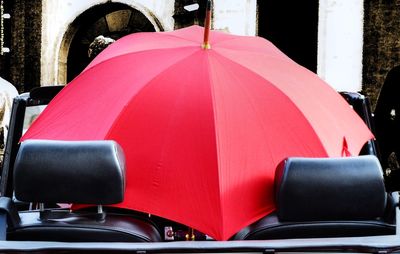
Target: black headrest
column 311, row 189
column 86, row 172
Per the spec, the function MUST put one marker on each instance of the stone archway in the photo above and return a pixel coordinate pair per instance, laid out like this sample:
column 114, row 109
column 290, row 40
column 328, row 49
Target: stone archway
column 112, row 20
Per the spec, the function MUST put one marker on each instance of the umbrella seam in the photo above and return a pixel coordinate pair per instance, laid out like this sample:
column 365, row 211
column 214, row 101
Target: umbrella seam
column 146, row 85
column 178, row 37
column 162, row 34
column 244, row 90
column 255, row 108
column 241, row 37
column 107, row 136
column 277, row 88
column 130, row 53
column 287, row 59
column 217, row 143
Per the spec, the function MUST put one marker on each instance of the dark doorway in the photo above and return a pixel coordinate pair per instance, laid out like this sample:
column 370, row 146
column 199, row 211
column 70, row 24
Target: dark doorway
column 184, row 18
column 293, row 27
column 112, row 20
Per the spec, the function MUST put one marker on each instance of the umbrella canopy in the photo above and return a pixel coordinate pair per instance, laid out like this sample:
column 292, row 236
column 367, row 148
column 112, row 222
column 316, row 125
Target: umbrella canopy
column 202, row 129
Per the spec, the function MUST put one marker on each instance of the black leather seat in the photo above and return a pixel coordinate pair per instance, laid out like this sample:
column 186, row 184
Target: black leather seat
column 83, row 172
column 82, row 227
column 329, row 197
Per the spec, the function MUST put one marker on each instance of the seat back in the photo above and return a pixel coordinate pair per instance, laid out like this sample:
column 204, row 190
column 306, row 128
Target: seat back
column 327, row 197
column 309, row 189
column 87, row 172
column 80, row 172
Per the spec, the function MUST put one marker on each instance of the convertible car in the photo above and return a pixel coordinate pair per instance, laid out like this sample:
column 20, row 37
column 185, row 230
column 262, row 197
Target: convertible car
column 345, row 204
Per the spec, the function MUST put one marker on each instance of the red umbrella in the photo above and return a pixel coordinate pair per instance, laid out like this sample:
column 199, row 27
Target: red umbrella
column 202, row 129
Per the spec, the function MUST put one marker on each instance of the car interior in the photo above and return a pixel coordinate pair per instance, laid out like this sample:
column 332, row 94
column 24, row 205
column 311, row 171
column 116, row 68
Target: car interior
column 315, row 197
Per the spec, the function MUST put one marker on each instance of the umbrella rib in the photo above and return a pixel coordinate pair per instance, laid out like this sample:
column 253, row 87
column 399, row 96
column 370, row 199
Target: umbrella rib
column 220, row 160
column 258, row 52
column 108, row 134
column 276, row 58
column 147, row 84
column 132, row 53
column 254, row 107
column 217, row 144
column 272, row 84
column 183, row 39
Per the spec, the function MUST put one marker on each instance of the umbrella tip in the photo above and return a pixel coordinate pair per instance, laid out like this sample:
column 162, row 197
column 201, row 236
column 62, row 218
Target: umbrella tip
column 207, row 25
column 205, row 45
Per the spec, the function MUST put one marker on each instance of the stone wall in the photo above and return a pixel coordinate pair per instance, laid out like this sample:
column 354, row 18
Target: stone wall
column 33, row 65
column 25, row 44
column 381, row 43
column 59, row 25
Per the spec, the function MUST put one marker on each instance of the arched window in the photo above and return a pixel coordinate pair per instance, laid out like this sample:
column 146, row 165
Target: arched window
column 112, row 20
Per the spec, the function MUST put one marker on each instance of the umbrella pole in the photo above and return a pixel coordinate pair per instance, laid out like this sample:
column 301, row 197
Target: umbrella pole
column 190, row 235
column 207, row 25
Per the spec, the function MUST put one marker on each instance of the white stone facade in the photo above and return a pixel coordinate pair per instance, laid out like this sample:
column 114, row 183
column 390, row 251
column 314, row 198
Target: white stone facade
column 59, row 15
column 236, row 17
column 340, row 43
column 340, row 33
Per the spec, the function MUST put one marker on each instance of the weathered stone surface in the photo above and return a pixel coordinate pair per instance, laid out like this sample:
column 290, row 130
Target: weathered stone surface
column 25, row 43
column 22, row 66
column 381, row 43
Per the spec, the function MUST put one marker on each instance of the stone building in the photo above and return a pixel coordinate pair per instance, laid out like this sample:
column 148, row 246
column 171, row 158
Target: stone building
column 351, row 44
column 381, row 47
